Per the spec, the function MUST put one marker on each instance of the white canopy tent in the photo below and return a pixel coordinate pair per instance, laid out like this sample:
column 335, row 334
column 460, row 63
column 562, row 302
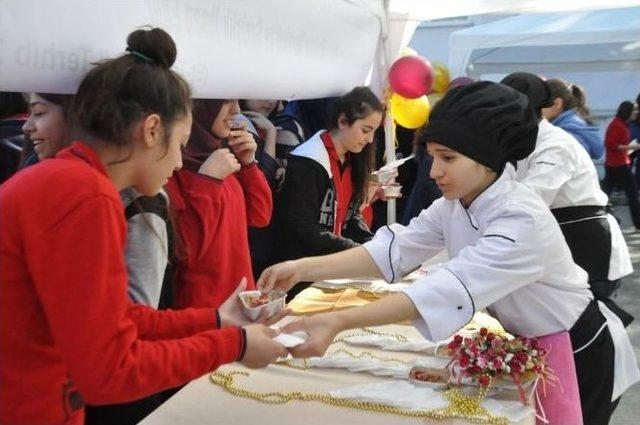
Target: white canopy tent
column 234, row 48
column 277, row 49
column 582, row 41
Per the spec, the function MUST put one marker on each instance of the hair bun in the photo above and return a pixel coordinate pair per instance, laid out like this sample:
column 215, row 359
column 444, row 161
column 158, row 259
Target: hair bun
column 154, row 43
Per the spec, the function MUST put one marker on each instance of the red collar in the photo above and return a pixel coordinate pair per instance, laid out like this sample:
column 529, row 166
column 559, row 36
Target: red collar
column 327, row 140
column 80, row 150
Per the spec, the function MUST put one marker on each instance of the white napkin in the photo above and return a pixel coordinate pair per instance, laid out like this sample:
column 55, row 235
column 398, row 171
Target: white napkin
column 293, row 339
column 368, row 365
column 392, row 344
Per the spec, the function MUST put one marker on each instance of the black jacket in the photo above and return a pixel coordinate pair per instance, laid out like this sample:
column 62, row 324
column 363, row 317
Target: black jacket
column 306, row 208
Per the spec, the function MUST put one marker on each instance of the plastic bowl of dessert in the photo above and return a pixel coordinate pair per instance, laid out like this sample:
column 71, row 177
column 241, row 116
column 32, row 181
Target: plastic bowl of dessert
column 255, row 302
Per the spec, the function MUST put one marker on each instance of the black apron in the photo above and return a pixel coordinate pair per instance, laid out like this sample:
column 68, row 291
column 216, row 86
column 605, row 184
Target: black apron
column 594, row 356
column 587, row 232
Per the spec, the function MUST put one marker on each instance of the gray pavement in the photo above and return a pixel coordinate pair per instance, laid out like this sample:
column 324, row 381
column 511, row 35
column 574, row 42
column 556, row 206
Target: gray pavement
column 628, row 297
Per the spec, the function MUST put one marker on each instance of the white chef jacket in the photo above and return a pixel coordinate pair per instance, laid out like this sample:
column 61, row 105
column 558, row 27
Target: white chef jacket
column 562, row 173
column 506, row 253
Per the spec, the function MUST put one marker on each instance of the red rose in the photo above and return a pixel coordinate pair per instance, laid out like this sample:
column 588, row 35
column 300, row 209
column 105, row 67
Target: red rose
column 484, row 331
column 522, row 357
column 484, row 380
column 457, row 339
column 474, row 370
column 464, row 361
column 453, row 345
column 515, row 365
column 490, row 336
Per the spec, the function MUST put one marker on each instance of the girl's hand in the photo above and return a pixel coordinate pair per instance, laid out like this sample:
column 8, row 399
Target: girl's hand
column 220, row 164
column 322, row 330
column 260, row 122
column 231, row 313
column 280, row 276
column 261, row 348
column 243, row 145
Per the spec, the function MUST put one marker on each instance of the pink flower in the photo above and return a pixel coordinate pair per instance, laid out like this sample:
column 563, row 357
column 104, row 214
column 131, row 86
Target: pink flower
column 482, row 362
column 498, row 363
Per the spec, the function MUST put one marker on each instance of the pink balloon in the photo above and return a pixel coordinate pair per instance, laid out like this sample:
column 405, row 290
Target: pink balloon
column 411, row 76
column 460, row 81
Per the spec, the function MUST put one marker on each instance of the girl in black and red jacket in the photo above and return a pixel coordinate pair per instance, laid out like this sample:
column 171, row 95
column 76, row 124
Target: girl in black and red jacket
column 318, row 208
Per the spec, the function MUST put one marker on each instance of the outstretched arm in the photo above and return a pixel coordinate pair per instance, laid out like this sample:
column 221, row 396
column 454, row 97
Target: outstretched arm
column 323, row 328
column 352, row 263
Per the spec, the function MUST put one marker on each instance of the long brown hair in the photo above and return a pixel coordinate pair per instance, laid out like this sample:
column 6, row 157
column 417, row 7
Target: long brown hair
column 359, row 103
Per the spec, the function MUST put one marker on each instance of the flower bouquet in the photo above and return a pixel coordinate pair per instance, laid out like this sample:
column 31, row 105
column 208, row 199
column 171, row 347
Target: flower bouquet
column 486, row 357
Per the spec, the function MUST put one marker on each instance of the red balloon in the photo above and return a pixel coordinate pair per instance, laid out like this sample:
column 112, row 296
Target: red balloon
column 411, row 76
column 460, row 81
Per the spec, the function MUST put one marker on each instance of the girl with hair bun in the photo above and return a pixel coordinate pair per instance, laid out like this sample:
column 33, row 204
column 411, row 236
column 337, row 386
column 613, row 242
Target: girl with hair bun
column 570, row 113
column 326, row 181
column 69, row 335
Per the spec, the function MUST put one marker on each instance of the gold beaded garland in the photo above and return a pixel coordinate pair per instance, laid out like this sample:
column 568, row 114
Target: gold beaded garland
column 460, row 405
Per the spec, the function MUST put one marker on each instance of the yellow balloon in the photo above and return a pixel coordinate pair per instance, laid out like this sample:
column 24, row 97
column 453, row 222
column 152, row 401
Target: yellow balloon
column 442, row 78
column 410, row 113
column 407, row 51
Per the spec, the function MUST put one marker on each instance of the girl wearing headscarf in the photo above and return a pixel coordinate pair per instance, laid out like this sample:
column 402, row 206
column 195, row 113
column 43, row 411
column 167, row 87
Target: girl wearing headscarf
column 507, row 254
column 219, row 192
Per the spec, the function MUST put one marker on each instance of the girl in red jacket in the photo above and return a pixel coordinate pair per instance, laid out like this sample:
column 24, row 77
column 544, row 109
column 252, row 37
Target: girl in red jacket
column 214, row 198
column 68, row 332
column 617, row 142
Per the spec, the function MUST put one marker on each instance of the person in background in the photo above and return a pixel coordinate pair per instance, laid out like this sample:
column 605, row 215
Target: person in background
column 260, row 113
column 506, row 254
column 219, row 193
column 562, row 174
column 326, row 182
column 618, row 145
column 48, row 126
column 634, row 130
column 69, row 334
column 425, row 190
column 565, row 112
column 13, row 114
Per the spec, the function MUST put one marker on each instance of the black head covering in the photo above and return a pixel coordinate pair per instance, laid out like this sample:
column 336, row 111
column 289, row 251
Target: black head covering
column 531, row 86
column 488, row 122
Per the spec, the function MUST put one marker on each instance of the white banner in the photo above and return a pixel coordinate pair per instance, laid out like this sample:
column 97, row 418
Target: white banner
column 270, row 49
